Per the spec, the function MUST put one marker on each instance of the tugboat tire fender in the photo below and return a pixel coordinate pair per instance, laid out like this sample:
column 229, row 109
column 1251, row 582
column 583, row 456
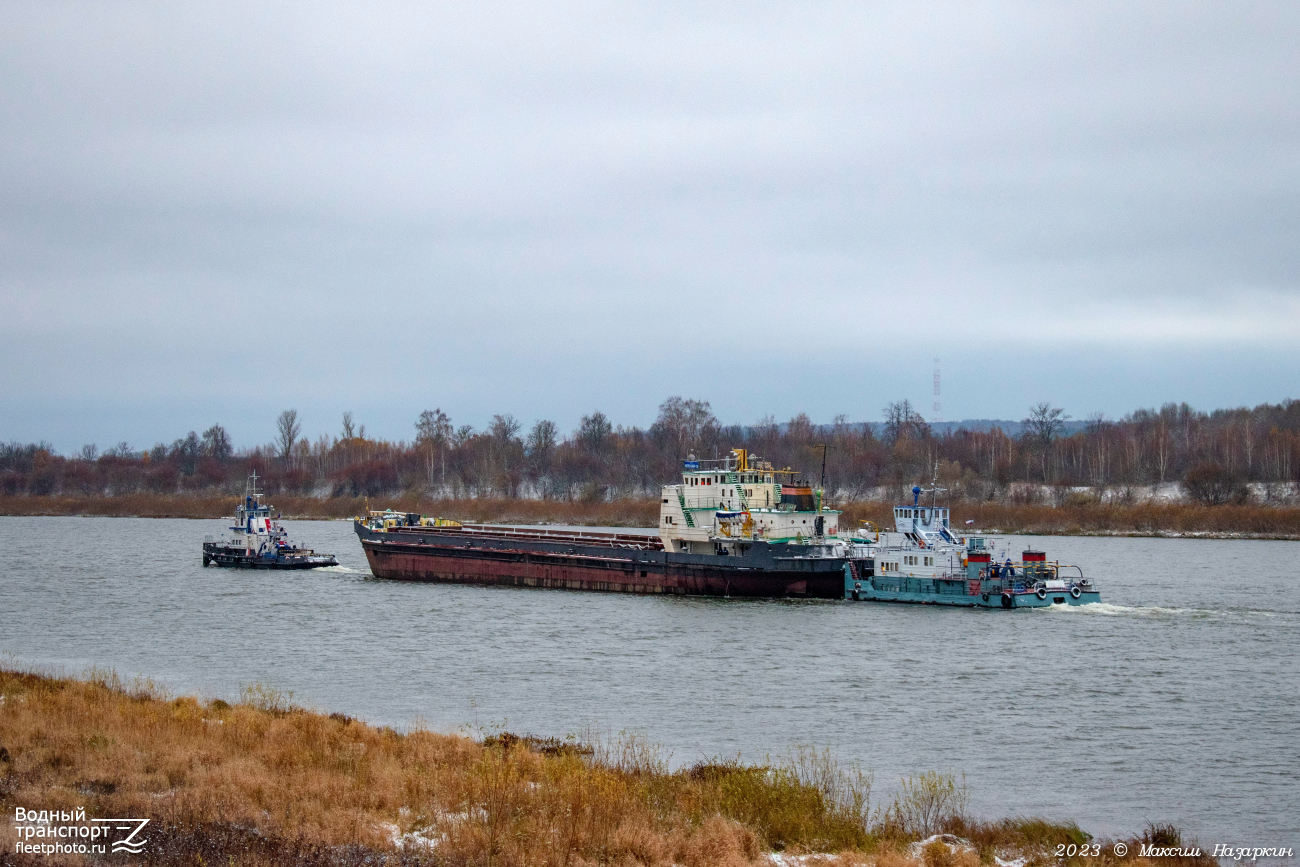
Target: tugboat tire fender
column 1008, row 601
column 1041, row 592
column 1074, row 591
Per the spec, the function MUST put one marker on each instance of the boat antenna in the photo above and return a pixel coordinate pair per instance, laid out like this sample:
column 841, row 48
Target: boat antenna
column 934, row 487
column 822, row 483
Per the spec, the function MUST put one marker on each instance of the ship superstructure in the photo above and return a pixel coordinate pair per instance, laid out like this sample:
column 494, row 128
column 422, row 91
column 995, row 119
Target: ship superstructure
column 741, row 498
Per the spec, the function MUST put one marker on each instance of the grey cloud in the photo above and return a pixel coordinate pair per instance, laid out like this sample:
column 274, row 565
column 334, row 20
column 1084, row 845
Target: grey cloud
column 538, row 208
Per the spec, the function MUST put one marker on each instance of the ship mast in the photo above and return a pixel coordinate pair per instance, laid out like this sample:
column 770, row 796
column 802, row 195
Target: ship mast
column 934, row 488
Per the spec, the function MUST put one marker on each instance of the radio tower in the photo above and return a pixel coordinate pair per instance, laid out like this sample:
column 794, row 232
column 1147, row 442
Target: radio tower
column 938, row 406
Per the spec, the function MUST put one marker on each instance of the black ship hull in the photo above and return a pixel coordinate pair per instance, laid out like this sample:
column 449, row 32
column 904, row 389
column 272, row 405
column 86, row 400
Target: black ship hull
column 237, row 558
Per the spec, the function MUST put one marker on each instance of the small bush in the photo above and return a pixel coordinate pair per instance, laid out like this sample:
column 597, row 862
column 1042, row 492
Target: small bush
column 927, row 802
column 267, row 698
column 1211, row 485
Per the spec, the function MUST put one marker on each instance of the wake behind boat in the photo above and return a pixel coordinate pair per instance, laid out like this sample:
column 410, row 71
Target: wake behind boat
column 259, row 541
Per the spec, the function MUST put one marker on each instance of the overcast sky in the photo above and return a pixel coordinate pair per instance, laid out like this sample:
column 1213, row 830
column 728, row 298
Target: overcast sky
column 212, row 212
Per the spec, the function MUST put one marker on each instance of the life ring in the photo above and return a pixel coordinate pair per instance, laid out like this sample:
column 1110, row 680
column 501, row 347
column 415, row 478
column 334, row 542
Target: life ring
column 1008, row 601
column 1041, row 592
column 1074, row 591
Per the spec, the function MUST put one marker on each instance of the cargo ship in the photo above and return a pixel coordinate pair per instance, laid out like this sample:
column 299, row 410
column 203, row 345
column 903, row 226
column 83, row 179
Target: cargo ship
column 735, row 527
column 259, row 541
column 731, row 527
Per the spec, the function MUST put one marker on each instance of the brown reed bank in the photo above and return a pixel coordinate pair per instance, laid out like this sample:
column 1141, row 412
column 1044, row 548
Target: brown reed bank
column 1096, row 519
column 1069, row 519
column 263, row 782
column 615, row 513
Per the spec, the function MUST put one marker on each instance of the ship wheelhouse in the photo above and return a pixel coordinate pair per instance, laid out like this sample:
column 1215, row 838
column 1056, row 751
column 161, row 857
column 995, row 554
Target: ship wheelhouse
column 730, row 503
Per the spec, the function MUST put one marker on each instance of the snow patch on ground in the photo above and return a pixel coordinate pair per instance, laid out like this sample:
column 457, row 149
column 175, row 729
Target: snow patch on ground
column 952, row 841
column 411, row 839
column 780, row 859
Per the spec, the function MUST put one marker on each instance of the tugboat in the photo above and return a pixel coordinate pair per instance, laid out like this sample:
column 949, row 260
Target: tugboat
column 259, row 542
column 922, row 561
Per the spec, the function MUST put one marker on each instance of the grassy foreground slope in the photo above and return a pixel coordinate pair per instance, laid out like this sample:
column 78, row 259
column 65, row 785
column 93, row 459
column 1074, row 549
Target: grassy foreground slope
column 262, row 782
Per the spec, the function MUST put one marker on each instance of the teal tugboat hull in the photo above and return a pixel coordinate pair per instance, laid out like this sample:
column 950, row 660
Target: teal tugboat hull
column 961, row 592
column 1037, row 587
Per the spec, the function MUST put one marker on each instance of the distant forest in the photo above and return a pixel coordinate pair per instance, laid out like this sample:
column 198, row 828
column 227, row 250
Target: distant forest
column 1217, row 457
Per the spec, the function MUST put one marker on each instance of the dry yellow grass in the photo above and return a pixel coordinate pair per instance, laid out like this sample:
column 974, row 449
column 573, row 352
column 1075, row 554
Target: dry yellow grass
column 261, row 782
column 318, row 783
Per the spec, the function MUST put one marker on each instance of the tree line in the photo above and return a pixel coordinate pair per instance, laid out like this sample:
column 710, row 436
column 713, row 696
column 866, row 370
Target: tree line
column 1220, row 456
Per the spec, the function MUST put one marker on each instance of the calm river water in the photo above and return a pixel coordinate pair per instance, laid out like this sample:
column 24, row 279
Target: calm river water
column 1175, row 700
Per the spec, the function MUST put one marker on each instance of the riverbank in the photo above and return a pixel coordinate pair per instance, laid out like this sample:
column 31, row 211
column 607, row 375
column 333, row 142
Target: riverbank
column 617, row 513
column 1085, row 519
column 260, row 781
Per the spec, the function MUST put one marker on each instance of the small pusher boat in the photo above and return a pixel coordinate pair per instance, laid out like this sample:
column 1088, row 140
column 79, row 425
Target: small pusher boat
column 259, row 541
column 922, row 561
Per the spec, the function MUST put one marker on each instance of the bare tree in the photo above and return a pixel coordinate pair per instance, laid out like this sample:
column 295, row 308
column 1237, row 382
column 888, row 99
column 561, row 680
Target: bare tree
column 542, row 439
column 287, row 429
column 684, row 423
column 216, row 443
column 800, row 429
column 433, row 431
column 593, row 431
column 540, row 450
column 504, row 428
column 1044, row 424
column 1163, row 448
column 904, row 422
column 349, row 427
